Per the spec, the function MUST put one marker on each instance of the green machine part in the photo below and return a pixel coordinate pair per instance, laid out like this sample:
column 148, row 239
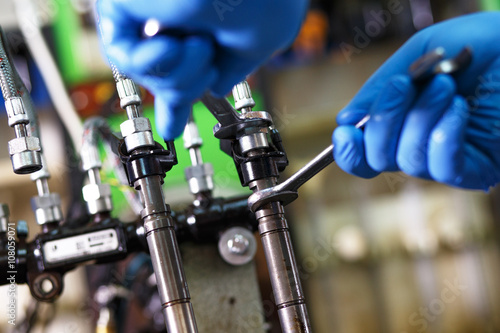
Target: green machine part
column 490, row 4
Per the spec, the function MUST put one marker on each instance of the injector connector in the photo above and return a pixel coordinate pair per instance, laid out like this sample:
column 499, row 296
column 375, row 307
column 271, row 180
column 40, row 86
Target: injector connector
column 199, row 175
column 96, row 194
column 46, row 205
column 98, row 198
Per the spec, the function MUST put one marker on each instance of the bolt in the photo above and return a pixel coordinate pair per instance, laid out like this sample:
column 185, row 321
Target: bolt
column 238, row 244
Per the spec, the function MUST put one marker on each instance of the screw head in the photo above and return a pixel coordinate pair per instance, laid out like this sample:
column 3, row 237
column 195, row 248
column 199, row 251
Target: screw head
column 238, row 244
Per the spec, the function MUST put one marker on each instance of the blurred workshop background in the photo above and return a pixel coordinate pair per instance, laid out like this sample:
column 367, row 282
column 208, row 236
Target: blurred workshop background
column 390, row 254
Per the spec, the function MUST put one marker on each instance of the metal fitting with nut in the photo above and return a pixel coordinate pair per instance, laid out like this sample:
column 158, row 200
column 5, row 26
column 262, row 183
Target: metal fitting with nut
column 90, row 157
column 243, row 100
column 191, row 136
column 47, row 208
column 25, row 154
column 16, row 111
column 137, row 133
column 128, row 93
column 98, row 198
column 199, row 178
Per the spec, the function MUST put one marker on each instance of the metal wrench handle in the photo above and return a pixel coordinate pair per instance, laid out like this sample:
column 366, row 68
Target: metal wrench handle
column 420, row 71
column 286, row 192
column 321, row 161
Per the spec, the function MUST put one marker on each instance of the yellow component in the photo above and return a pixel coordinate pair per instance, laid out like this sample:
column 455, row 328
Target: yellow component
column 103, row 92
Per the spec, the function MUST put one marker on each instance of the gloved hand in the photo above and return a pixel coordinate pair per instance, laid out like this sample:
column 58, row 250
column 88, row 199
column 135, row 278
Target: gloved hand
column 207, row 44
column 447, row 131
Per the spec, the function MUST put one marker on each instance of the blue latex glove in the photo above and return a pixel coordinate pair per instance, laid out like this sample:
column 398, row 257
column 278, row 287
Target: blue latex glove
column 209, row 44
column 447, row 131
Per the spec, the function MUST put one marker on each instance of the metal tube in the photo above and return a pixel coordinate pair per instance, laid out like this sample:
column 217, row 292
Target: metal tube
column 133, row 112
column 281, row 263
column 284, row 274
column 195, row 155
column 20, row 131
column 166, row 258
column 94, row 176
column 159, row 228
column 42, row 187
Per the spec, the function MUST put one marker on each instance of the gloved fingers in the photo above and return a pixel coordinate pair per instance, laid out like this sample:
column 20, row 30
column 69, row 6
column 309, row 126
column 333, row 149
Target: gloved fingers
column 119, row 33
column 157, row 56
column 170, row 14
column 412, row 148
column 170, row 117
column 351, row 116
column 195, row 60
column 453, row 160
column 387, row 118
column 397, row 64
column 483, row 129
column 172, row 106
column 349, row 152
column 122, row 22
column 232, row 70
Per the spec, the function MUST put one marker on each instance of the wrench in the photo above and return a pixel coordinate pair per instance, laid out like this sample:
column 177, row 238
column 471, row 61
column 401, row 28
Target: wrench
column 423, row 69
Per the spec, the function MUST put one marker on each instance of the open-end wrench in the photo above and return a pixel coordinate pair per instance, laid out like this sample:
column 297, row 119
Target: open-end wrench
column 420, row 71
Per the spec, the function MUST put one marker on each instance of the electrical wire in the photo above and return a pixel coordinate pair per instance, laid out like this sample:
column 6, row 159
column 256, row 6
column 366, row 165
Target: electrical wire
column 94, row 129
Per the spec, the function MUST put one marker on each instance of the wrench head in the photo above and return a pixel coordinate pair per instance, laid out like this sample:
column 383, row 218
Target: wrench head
column 268, row 195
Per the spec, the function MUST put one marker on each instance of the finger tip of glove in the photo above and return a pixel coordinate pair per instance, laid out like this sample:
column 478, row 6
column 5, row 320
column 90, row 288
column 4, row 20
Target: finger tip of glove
column 222, row 89
column 170, row 118
column 156, row 56
column 444, row 85
column 350, row 116
column 349, row 152
column 400, row 80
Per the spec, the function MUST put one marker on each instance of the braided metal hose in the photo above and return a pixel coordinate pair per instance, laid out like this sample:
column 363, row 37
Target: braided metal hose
column 117, row 74
column 7, row 81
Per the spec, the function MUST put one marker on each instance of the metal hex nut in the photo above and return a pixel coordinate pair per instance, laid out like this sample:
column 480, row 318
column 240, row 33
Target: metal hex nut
column 23, row 144
column 47, row 208
column 135, row 125
column 191, row 136
column 46, row 201
column 92, row 192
